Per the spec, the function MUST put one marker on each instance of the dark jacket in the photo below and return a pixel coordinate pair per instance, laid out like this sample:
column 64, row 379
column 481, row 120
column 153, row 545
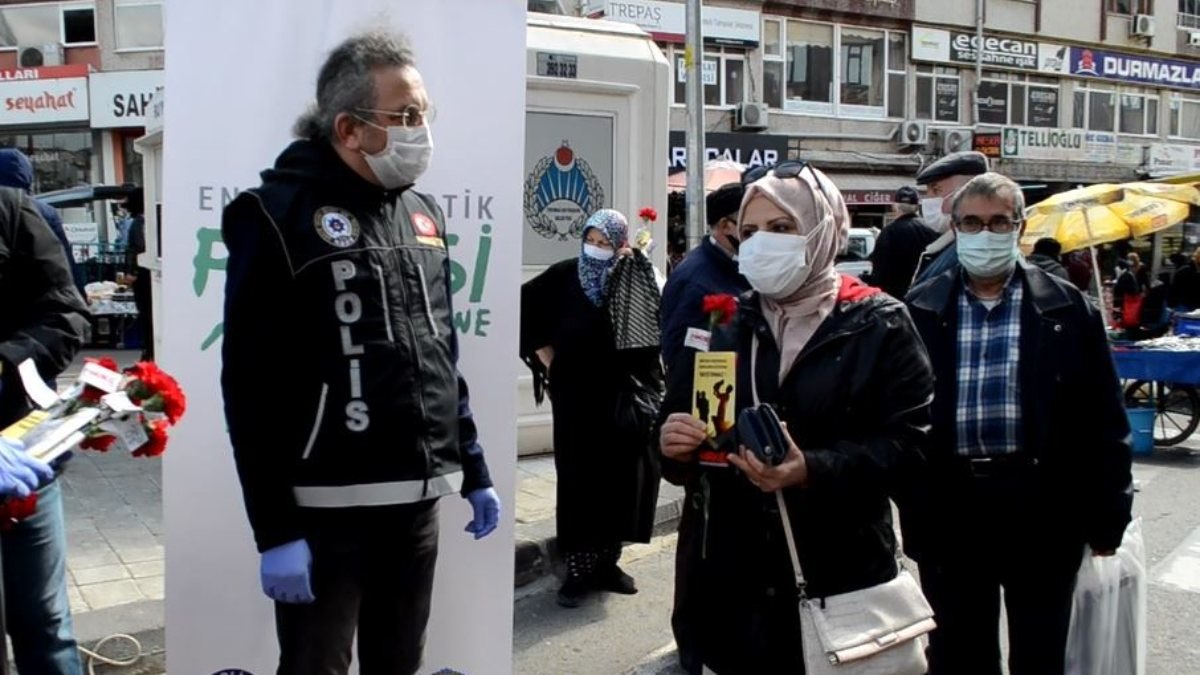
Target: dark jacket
column 942, row 255
column 1072, row 411
column 857, row 404
column 16, row 171
column 707, row 270
column 897, row 252
column 337, row 310
column 1185, row 288
column 44, row 318
column 1049, row 266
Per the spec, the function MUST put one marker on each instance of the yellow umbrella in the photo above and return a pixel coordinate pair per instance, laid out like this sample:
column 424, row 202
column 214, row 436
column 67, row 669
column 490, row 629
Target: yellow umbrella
column 1185, row 193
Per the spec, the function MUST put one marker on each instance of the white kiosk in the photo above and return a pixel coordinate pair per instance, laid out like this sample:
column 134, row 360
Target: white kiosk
column 596, row 136
column 150, row 147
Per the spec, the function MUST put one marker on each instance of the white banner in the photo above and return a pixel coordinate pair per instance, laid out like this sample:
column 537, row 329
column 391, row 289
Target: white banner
column 240, row 74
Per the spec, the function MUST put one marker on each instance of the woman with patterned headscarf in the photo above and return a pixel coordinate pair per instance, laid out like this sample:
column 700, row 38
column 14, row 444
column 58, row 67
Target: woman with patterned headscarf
column 605, row 490
column 842, row 365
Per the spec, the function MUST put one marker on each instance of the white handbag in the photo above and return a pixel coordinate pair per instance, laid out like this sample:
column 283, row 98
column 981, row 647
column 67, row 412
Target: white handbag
column 874, row 631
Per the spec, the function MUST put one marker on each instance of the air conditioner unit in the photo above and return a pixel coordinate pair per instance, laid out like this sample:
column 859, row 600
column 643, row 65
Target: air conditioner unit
column 750, row 117
column 1194, row 39
column 954, row 139
column 36, row 56
column 914, row 133
column 1142, row 26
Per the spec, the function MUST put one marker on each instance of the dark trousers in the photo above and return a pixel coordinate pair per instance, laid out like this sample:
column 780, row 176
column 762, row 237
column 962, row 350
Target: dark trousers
column 1000, row 539
column 376, row 580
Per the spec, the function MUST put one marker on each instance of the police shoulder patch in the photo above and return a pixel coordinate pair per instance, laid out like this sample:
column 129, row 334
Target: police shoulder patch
column 337, row 227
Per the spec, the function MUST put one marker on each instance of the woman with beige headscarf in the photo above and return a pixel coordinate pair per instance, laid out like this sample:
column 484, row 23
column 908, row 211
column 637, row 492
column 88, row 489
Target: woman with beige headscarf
column 842, row 365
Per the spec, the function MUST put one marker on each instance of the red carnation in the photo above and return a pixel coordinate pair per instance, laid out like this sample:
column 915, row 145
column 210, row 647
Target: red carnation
column 16, row 509
column 648, row 214
column 157, row 444
column 156, row 391
column 720, row 308
column 104, row 362
column 92, row 395
column 102, row 443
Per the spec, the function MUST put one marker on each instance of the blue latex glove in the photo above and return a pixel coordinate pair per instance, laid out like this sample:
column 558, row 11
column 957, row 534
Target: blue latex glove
column 486, row 505
column 20, row 474
column 286, row 573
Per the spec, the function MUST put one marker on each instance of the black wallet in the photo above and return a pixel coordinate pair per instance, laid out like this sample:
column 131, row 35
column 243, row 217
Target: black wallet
column 760, row 430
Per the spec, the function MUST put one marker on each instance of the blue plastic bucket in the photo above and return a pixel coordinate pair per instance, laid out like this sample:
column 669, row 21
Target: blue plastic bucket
column 1141, row 423
column 1187, row 325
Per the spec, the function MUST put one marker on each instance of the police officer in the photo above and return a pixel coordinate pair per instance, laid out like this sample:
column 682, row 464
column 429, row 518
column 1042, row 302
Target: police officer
column 942, row 180
column 346, row 411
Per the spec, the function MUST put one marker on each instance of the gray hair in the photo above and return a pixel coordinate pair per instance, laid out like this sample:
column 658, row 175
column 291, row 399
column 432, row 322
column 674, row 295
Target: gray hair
column 992, row 186
column 905, row 209
column 346, row 82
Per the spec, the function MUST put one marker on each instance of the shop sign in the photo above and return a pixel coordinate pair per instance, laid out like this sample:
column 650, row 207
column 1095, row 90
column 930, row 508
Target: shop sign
column 868, row 197
column 43, row 73
column 82, row 233
column 666, row 21
column 1166, row 159
column 748, row 149
column 1058, row 145
column 44, row 101
column 988, row 144
column 122, row 98
column 943, row 46
column 1138, row 68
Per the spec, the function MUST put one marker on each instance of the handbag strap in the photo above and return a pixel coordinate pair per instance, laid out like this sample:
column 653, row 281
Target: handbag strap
column 784, row 518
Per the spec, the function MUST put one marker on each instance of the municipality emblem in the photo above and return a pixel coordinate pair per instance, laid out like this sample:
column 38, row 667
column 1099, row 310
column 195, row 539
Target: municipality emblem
column 337, row 227
column 560, row 193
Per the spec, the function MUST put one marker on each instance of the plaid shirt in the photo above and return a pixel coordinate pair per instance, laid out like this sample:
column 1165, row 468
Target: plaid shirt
column 989, row 390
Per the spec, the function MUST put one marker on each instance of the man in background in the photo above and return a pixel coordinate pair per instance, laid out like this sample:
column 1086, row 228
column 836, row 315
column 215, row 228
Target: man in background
column 942, row 179
column 900, row 245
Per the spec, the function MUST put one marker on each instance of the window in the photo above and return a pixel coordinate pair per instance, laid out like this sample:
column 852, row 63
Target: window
column 69, row 24
column 938, row 91
column 60, row 160
column 1019, row 100
column 1189, row 14
column 1185, row 117
column 724, row 78
column 138, row 24
column 78, row 25
column 1127, row 111
column 1130, row 6
column 820, row 68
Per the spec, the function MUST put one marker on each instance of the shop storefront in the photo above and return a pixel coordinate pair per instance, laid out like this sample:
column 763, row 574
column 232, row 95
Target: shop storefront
column 120, row 101
column 44, row 113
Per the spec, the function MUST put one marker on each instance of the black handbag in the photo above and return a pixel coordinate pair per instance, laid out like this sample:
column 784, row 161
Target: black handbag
column 637, row 407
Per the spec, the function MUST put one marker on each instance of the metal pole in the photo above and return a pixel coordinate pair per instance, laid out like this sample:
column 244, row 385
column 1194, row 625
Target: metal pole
column 694, row 62
column 978, row 55
column 1104, row 313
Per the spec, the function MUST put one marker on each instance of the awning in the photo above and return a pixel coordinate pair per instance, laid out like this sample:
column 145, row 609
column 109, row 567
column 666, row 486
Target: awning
column 862, row 189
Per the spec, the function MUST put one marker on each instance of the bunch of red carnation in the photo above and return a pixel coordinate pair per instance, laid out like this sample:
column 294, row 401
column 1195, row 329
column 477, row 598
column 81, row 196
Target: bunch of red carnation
column 721, row 308
column 162, row 401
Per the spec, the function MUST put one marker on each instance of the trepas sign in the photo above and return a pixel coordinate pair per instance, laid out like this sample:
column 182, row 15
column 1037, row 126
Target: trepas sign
column 668, row 21
column 123, row 98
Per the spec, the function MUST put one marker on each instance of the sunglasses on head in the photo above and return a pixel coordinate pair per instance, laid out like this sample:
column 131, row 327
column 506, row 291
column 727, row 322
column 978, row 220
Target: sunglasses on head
column 789, row 169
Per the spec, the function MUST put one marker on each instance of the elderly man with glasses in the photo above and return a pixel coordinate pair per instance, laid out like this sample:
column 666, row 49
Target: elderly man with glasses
column 1029, row 450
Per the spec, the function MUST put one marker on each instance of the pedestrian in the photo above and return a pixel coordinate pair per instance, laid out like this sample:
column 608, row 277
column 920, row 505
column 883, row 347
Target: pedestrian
column 1029, row 455
column 709, row 270
column 846, row 371
column 1185, row 287
column 338, row 310
column 567, row 339
column 1127, row 293
column 1079, row 267
column 900, row 245
column 143, row 298
column 16, row 171
column 43, row 319
column 941, row 180
column 1047, row 254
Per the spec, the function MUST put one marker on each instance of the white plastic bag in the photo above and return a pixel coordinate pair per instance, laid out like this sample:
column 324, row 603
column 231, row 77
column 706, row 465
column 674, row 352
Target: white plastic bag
column 1108, row 614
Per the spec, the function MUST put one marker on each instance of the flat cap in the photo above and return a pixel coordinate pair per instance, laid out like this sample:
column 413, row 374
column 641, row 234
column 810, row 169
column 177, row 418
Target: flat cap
column 957, row 164
column 724, row 202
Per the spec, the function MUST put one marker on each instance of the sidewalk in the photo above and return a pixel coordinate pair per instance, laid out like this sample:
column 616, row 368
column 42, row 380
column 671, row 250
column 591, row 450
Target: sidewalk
column 115, row 533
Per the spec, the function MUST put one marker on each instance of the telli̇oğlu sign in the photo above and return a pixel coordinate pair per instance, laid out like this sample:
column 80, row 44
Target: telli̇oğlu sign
column 1059, row 145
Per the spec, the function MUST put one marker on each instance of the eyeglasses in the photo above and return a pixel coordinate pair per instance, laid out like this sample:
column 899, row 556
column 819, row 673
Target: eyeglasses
column 411, row 116
column 998, row 224
column 788, row 169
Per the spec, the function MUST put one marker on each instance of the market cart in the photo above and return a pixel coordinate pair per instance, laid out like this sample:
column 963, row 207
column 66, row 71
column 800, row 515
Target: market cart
column 1163, row 374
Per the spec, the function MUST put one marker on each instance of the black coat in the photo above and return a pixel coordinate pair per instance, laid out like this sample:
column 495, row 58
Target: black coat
column 607, row 479
column 1050, row 266
column 43, row 316
column 857, row 404
column 708, row 270
column 1072, row 411
column 897, row 252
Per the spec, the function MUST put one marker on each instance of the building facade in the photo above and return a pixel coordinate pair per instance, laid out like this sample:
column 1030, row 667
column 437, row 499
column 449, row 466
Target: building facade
column 871, row 90
column 76, row 79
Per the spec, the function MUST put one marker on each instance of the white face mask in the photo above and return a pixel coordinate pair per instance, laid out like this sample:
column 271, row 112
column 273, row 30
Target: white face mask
column 405, row 157
column 931, row 213
column 987, row 255
column 776, row 265
column 595, row 252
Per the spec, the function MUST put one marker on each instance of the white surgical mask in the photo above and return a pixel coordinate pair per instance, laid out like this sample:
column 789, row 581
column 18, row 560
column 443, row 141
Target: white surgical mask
column 987, row 255
column 597, row 253
column 405, row 157
column 931, row 213
column 776, row 265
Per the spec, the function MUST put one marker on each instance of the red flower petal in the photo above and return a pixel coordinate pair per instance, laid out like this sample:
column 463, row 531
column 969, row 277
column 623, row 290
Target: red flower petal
column 157, row 444
column 98, row 443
